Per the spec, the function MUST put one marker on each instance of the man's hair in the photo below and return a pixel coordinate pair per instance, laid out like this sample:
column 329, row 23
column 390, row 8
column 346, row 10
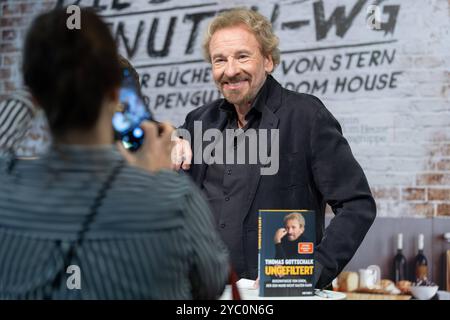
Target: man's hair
column 295, row 216
column 259, row 25
column 70, row 72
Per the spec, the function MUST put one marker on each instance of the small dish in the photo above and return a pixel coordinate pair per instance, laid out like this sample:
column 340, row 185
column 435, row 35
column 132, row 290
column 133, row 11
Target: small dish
column 424, row 292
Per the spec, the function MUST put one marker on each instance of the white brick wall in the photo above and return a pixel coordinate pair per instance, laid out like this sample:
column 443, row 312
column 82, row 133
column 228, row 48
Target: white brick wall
column 400, row 134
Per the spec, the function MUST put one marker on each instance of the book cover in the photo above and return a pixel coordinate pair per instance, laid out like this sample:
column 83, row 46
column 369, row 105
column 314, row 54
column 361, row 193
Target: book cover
column 286, row 252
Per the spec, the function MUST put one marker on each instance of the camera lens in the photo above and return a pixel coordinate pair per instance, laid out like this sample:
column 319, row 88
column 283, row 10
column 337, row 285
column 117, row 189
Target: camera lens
column 138, row 132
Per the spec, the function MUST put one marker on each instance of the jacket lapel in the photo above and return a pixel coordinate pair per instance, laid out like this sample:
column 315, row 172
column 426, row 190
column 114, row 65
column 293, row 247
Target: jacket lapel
column 268, row 121
column 218, row 123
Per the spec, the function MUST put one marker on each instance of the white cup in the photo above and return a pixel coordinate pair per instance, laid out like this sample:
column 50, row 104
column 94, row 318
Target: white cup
column 370, row 277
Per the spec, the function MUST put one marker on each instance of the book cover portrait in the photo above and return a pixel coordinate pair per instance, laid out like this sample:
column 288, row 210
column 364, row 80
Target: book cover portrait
column 286, row 252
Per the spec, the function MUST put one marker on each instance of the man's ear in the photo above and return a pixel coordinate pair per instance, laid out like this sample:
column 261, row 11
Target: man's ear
column 114, row 94
column 268, row 64
column 112, row 99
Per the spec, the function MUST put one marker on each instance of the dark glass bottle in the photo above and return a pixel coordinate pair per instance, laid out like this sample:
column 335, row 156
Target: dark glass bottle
column 400, row 272
column 421, row 262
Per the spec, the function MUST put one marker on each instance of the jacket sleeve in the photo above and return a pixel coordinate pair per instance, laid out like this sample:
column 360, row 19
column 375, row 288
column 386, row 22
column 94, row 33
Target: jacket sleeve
column 343, row 185
column 209, row 256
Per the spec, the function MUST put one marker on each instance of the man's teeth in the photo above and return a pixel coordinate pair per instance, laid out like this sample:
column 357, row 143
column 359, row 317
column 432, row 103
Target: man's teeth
column 234, row 82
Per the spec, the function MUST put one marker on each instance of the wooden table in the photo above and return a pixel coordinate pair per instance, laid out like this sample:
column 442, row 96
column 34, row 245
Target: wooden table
column 375, row 296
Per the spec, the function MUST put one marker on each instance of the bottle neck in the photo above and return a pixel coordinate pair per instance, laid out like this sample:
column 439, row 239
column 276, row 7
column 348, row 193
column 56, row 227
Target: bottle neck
column 399, row 241
column 420, row 243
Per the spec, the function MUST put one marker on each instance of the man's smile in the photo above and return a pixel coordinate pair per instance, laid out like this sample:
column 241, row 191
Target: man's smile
column 234, row 84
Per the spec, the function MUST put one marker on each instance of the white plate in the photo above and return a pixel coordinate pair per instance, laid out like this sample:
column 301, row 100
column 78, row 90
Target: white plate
column 253, row 294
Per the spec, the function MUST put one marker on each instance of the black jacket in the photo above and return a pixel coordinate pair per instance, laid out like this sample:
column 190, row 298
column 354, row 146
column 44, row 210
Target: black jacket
column 316, row 167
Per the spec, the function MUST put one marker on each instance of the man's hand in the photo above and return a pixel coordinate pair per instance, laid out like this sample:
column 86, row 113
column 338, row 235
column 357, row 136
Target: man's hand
column 256, row 284
column 155, row 152
column 279, row 235
column 181, row 154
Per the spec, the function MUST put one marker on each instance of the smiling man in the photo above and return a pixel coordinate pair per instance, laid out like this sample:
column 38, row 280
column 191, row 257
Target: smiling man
column 239, row 67
column 316, row 165
column 287, row 239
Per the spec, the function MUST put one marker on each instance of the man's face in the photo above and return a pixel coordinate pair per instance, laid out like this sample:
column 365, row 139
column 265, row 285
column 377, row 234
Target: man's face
column 238, row 66
column 293, row 229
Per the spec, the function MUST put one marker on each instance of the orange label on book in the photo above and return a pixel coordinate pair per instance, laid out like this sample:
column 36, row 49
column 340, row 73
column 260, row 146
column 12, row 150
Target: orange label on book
column 305, row 247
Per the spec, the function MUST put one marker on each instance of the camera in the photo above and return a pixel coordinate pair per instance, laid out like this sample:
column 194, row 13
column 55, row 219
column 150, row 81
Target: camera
column 129, row 114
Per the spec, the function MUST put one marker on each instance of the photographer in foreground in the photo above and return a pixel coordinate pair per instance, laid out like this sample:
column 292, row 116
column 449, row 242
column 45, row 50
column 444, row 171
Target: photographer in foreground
column 82, row 222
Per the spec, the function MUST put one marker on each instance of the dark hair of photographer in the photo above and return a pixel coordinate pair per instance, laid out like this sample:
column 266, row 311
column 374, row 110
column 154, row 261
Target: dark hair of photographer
column 70, row 71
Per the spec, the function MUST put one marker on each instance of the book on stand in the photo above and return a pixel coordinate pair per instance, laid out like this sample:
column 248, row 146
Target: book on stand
column 286, row 243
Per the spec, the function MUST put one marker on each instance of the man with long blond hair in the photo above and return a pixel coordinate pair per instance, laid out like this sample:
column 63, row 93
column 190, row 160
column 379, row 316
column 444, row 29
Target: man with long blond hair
column 316, row 165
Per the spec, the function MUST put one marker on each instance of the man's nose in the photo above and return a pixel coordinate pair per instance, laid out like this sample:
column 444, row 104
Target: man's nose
column 231, row 68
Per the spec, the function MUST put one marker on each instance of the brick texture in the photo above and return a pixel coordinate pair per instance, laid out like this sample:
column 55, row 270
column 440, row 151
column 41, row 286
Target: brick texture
column 414, row 194
column 443, row 209
column 386, row 193
column 399, row 134
column 15, row 18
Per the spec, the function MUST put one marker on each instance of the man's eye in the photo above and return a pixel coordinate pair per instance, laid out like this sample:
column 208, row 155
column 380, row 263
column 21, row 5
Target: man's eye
column 218, row 61
column 243, row 57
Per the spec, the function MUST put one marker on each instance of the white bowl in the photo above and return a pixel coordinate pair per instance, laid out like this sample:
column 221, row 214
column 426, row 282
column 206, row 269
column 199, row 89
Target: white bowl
column 424, row 292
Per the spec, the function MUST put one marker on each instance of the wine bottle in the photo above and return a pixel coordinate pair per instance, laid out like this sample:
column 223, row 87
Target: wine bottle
column 421, row 261
column 399, row 261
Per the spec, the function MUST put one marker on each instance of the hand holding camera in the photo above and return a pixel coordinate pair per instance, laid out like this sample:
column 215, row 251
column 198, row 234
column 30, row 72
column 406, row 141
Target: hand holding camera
column 155, row 152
